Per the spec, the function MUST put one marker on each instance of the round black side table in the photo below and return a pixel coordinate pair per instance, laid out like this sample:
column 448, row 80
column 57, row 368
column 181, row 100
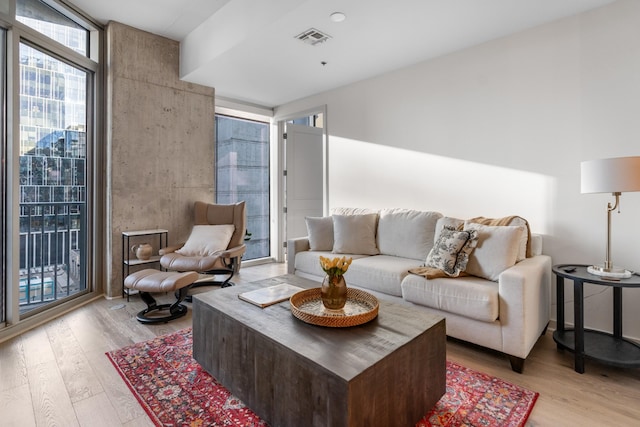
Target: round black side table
column 611, row 349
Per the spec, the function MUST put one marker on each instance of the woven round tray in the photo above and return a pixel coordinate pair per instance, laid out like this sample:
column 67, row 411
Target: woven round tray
column 361, row 307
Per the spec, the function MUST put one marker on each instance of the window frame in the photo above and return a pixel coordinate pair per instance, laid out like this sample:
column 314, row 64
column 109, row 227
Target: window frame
column 17, row 33
column 238, row 110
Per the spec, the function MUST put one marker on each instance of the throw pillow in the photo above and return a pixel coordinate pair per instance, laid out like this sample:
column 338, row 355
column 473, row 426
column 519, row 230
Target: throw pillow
column 206, row 240
column 451, row 251
column 320, row 232
column 406, row 233
column 525, row 239
column 496, row 251
column 355, row 234
column 447, row 221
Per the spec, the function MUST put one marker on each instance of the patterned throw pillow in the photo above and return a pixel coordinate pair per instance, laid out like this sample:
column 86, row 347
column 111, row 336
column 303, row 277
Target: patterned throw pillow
column 451, row 251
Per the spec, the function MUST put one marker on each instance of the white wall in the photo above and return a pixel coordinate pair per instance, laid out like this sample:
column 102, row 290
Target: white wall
column 501, row 129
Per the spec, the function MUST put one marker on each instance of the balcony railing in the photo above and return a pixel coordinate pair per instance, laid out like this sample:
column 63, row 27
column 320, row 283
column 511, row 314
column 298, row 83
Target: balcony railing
column 52, row 252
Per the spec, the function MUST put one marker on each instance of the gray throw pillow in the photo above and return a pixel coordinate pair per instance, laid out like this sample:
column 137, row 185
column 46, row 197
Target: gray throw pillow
column 355, row 234
column 320, row 232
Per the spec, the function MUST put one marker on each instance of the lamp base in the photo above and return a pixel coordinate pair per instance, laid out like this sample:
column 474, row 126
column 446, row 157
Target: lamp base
column 618, row 273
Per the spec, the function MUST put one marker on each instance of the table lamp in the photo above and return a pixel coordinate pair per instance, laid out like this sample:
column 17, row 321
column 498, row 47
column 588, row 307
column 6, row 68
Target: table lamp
column 615, row 176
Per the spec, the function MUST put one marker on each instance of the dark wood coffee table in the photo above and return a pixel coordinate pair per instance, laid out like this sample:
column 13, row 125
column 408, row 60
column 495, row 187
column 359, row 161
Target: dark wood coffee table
column 388, row 372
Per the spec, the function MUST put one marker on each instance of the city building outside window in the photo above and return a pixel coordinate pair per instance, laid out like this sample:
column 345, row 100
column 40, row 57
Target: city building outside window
column 53, row 24
column 53, row 151
column 242, row 174
column 54, row 88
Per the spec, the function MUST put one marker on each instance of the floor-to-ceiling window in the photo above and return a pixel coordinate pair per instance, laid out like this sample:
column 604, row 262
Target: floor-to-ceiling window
column 51, row 149
column 242, row 173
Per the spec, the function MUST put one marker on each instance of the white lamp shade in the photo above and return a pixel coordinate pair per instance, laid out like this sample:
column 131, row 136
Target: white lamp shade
column 616, row 175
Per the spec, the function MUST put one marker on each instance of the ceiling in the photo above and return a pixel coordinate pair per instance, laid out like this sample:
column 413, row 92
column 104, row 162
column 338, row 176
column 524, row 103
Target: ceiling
column 247, row 49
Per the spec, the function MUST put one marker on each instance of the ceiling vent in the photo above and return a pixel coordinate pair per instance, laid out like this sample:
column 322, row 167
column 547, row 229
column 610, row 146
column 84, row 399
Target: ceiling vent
column 313, row 37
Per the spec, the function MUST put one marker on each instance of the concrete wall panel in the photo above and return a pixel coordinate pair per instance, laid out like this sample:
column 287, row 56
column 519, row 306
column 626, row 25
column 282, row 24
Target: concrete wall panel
column 161, row 142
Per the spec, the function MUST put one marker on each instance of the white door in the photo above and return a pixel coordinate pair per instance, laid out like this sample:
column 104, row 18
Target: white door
column 304, row 177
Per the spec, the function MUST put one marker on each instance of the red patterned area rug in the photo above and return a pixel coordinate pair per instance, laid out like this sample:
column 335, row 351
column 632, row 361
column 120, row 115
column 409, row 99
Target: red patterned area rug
column 175, row 391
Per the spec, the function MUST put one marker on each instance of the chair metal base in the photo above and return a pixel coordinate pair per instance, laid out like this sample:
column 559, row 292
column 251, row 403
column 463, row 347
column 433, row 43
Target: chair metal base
column 222, row 283
column 176, row 310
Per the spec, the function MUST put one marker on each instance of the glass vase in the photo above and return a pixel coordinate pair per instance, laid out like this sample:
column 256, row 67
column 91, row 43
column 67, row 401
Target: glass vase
column 334, row 292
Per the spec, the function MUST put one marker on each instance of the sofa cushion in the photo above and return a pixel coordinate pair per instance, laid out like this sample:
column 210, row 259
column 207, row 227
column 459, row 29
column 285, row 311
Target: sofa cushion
column 536, row 244
column 524, row 250
column 320, row 232
column 309, row 262
column 468, row 296
column 353, row 211
column 497, row 249
column 447, row 221
column 406, row 233
column 381, row 273
column 451, row 251
column 355, row 234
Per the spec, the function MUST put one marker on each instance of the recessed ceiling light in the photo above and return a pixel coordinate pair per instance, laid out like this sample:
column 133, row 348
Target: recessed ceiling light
column 338, row 16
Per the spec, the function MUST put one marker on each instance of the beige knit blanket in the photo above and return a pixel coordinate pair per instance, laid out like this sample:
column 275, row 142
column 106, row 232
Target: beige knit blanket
column 432, row 273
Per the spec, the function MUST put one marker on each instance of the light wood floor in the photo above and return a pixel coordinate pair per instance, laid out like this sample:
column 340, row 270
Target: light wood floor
column 58, row 374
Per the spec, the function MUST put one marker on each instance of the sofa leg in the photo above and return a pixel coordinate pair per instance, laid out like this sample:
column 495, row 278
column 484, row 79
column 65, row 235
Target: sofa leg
column 544, row 331
column 517, row 364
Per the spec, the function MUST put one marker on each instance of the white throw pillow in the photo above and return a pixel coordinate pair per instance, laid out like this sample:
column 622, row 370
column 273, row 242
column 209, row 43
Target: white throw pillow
column 447, row 221
column 206, row 240
column 513, row 220
column 406, row 233
column 355, row 234
column 496, row 251
column 320, row 232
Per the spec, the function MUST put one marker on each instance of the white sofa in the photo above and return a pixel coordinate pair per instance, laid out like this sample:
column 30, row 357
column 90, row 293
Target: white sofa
column 506, row 310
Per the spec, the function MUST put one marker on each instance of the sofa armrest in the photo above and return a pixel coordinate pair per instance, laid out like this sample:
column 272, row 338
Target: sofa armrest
column 294, row 246
column 524, row 304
